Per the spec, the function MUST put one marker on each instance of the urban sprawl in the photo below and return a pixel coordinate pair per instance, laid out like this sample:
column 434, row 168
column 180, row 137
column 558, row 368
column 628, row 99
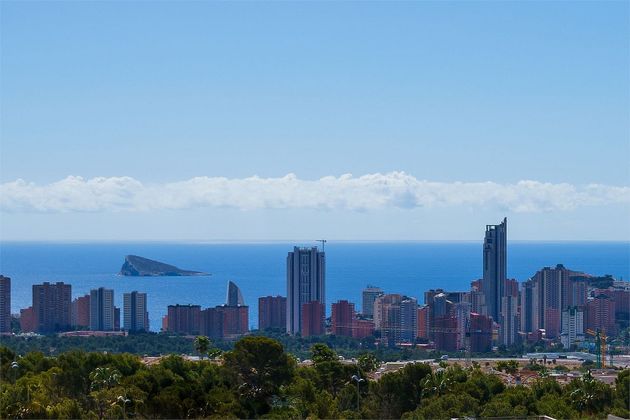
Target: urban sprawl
column 558, row 307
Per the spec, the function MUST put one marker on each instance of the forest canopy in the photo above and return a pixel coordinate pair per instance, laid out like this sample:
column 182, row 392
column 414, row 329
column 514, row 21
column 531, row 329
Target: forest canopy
column 257, row 378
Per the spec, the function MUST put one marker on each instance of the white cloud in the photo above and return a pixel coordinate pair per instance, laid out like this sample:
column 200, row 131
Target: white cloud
column 367, row 192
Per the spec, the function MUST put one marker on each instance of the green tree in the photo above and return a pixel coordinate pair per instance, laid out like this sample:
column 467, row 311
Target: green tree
column 27, row 398
column 446, row 407
column 438, row 383
column 301, row 393
column 501, row 408
column 546, row 386
column 588, row 395
column 262, row 367
column 259, row 379
column 622, row 394
column 368, row 362
column 324, row 406
column 7, row 357
column 398, row 392
column 330, row 374
column 508, row 366
column 321, row 353
column 555, row 406
column 514, row 401
column 102, row 379
column 202, row 345
column 65, row 408
column 480, row 386
column 221, row 402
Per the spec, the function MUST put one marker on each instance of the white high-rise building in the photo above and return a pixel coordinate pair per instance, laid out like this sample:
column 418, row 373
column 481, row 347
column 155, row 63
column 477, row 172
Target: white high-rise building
column 382, row 306
column 462, row 310
column 509, row 325
column 408, row 319
column 572, row 327
column 102, row 317
column 135, row 317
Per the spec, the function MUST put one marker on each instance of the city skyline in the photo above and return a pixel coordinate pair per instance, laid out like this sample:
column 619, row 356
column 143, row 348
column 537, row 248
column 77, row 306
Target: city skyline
column 243, row 120
column 556, row 305
column 265, row 279
column 537, row 302
column 551, row 304
column 297, row 192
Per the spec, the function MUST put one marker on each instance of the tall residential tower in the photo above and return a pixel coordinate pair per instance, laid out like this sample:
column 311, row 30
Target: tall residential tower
column 102, row 313
column 5, row 304
column 272, row 312
column 135, row 315
column 494, row 268
column 306, row 279
column 52, row 307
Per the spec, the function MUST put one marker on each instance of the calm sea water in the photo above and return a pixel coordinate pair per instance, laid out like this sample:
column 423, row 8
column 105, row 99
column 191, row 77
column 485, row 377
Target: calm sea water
column 259, row 269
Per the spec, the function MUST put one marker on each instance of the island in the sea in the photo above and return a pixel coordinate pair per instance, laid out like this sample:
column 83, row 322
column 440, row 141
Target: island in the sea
column 140, row 267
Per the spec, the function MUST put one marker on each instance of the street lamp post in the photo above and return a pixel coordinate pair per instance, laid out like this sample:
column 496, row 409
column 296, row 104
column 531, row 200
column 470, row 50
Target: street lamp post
column 124, row 400
column 358, row 380
column 14, row 367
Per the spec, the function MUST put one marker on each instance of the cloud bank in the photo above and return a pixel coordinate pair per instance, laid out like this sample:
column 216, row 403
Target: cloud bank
column 346, row 192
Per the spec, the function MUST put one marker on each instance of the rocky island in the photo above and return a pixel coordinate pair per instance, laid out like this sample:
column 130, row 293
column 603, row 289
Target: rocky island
column 140, row 267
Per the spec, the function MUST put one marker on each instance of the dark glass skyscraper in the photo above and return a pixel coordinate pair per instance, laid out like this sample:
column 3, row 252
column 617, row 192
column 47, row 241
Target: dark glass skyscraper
column 234, row 296
column 494, row 267
column 306, row 278
column 5, row 304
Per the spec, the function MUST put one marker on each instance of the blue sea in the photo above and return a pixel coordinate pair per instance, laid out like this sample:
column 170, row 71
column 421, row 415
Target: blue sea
column 259, row 268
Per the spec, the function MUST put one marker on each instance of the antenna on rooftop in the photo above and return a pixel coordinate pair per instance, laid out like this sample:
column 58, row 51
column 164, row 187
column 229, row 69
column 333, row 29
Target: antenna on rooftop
column 323, row 241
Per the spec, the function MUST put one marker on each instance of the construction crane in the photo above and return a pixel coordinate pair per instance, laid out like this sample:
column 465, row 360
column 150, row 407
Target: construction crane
column 610, row 356
column 600, row 346
column 604, row 348
column 323, row 241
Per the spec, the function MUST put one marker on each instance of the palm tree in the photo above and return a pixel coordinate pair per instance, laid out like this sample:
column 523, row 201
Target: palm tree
column 103, row 378
column 586, row 397
column 202, row 345
column 543, row 372
column 438, row 383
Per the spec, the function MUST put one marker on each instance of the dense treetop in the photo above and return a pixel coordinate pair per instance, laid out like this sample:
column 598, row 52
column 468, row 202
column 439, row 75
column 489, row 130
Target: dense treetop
column 258, row 379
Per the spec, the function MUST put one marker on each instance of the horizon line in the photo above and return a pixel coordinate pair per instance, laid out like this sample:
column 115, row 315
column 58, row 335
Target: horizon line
column 292, row 241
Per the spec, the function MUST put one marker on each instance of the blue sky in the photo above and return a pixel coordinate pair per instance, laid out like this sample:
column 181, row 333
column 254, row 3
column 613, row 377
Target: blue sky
column 163, row 92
